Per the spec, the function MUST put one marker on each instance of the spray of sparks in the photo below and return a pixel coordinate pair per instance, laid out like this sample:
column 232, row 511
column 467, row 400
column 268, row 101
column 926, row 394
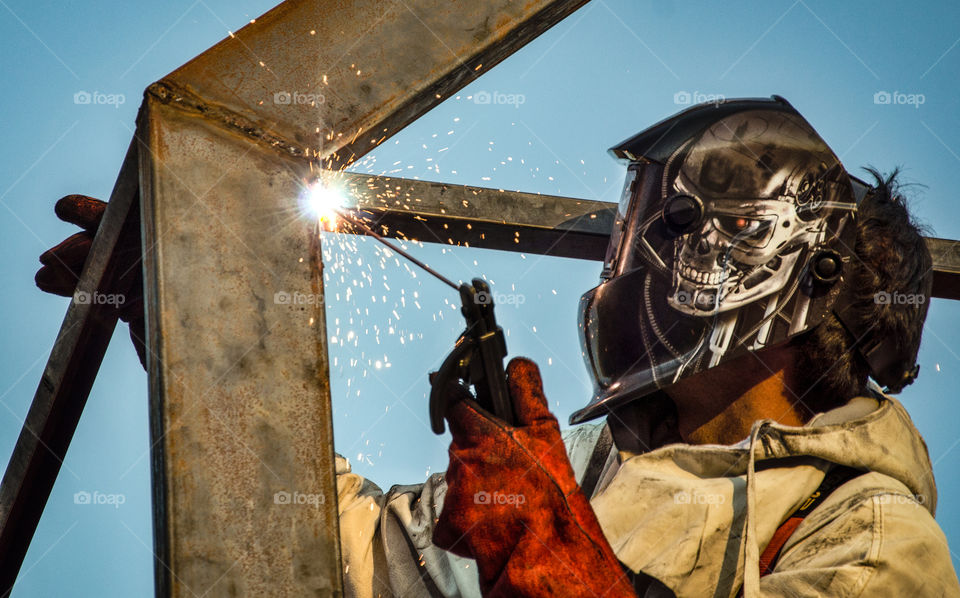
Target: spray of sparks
column 363, row 298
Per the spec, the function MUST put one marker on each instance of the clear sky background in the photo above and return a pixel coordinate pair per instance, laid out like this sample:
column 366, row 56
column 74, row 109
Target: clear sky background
column 608, row 71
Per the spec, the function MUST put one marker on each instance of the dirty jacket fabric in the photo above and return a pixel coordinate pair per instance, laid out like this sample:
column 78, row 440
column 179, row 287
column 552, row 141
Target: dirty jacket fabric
column 692, row 520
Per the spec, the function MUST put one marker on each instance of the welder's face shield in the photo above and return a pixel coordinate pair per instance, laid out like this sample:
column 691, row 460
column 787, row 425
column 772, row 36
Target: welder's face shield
column 732, row 243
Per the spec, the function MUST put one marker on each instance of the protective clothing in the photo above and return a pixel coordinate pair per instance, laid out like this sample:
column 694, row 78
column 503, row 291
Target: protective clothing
column 691, row 520
column 513, row 503
column 63, row 264
column 732, row 233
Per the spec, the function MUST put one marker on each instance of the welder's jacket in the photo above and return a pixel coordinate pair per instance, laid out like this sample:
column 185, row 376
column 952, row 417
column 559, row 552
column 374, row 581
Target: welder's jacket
column 695, row 518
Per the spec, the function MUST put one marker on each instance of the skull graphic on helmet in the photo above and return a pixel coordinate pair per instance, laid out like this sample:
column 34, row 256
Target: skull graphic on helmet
column 743, row 207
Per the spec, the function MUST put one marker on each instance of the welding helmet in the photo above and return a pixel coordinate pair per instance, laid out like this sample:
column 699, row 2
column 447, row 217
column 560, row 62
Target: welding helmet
column 733, row 231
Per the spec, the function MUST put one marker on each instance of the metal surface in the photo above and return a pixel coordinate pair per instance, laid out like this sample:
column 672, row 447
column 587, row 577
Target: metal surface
column 480, row 217
column 239, row 387
column 68, row 376
column 946, row 267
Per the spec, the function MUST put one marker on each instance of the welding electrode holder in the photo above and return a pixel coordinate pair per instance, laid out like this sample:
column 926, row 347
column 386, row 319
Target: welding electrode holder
column 476, row 359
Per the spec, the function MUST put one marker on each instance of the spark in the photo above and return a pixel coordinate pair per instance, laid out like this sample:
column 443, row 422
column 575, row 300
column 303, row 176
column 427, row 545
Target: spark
column 322, row 200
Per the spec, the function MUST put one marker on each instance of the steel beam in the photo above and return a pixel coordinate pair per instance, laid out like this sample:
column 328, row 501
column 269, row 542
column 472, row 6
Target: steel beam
column 946, row 267
column 478, row 216
column 239, row 388
column 68, row 375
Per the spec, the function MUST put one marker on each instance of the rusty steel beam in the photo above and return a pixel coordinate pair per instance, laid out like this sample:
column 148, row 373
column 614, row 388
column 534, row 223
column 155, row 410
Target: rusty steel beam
column 946, row 267
column 68, row 375
column 478, row 216
column 240, row 415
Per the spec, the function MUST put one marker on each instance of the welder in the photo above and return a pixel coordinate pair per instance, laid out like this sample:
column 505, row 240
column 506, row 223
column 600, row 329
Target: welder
column 758, row 307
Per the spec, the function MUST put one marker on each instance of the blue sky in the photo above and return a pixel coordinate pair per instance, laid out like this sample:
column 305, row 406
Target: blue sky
column 608, row 71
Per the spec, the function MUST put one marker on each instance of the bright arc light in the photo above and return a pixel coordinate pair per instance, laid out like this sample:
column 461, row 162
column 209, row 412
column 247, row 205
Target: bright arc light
column 321, row 200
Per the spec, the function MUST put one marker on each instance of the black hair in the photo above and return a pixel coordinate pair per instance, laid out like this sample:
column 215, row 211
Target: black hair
column 891, row 259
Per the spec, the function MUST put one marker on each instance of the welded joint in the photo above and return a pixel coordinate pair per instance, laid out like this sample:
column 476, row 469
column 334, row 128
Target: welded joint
column 180, row 97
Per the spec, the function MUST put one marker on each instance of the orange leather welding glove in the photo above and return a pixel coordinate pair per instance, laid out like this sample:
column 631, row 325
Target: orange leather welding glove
column 63, row 264
column 513, row 505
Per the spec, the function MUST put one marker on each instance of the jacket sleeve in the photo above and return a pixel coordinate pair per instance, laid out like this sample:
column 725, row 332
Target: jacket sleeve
column 385, row 541
column 872, row 540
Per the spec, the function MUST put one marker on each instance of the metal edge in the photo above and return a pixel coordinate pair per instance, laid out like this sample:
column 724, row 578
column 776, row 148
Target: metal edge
column 66, row 382
column 153, row 343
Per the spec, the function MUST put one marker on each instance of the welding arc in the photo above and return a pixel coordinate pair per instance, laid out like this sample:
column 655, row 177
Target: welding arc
column 366, row 229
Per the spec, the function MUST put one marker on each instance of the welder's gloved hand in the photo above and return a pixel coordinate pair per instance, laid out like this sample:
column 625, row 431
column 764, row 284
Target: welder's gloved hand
column 513, row 503
column 63, row 264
